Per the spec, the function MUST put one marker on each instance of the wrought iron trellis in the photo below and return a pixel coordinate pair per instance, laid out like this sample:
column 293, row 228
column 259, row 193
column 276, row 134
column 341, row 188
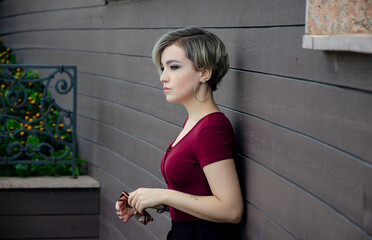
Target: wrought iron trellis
column 34, row 128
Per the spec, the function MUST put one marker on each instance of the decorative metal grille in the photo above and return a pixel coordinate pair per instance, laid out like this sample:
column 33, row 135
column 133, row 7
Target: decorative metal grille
column 34, row 128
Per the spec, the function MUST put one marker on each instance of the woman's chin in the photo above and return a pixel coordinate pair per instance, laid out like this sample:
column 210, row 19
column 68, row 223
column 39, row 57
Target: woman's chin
column 170, row 99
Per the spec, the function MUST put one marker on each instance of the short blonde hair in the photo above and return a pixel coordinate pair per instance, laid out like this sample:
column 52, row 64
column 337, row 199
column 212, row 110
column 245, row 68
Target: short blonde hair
column 202, row 48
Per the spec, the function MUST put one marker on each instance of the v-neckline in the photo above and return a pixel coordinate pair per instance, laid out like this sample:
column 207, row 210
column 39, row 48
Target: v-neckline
column 171, row 146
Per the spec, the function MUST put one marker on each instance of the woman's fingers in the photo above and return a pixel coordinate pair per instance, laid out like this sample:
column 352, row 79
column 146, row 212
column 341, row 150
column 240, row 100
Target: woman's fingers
column 143, row 198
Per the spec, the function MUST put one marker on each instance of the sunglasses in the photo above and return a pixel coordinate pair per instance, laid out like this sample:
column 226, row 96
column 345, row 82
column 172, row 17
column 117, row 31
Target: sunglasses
column 140, row 219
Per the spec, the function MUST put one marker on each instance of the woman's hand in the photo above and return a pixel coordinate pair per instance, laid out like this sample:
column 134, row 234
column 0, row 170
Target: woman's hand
column 144, row 198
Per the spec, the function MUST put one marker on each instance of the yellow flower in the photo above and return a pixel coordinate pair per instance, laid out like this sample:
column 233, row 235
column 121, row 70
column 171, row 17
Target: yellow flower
column 69, row 131
column 41, row 129
column 33, row 102
column 22, row 133
column 37, row 114
column 63, row 137
column 29, row 127
column 27, row 117
column 60, row 125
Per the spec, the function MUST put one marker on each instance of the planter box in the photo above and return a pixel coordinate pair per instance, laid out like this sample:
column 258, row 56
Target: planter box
column 49, row 208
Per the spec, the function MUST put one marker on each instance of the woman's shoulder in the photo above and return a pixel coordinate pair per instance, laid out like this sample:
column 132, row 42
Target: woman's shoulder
column 215, row 120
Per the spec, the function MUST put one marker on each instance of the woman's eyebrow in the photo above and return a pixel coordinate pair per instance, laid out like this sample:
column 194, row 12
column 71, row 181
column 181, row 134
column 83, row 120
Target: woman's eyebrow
column 172, row 61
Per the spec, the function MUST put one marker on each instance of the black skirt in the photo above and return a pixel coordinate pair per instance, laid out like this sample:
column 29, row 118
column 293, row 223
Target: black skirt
column 203, row 230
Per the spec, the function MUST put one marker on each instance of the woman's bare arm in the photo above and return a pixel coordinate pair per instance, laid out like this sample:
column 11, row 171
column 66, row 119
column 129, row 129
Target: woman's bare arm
column 225, row 205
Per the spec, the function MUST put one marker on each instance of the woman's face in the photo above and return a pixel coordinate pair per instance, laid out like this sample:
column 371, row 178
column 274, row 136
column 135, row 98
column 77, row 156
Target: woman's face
column 178, row 75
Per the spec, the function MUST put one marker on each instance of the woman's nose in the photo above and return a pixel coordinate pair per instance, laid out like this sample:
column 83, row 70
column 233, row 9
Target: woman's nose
column 163, row 77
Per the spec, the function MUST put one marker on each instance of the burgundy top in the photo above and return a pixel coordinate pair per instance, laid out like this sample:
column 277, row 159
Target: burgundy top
column 209, row 141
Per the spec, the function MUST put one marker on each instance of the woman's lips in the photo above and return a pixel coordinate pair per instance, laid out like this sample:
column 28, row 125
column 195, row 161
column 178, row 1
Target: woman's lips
column 166, row 89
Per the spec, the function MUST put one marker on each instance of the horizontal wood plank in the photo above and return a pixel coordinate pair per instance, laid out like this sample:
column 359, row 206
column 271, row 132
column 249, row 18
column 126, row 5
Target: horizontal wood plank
column 10, row 8
column 49, row 201
column 61, row 226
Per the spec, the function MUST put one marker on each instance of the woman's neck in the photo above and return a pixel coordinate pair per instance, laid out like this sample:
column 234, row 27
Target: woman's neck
column 197, row 110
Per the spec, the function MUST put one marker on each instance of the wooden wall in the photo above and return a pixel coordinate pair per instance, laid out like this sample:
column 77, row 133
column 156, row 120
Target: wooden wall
column 49, row 213
column 302, row 118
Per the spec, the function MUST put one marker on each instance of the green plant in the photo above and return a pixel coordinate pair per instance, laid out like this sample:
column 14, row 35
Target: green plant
column 34, row 120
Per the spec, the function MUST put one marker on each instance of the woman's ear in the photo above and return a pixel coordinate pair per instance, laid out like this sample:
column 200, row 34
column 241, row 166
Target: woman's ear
column 206, row 74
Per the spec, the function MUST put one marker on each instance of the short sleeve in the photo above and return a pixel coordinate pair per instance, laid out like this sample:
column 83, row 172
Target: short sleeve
column 215, row 143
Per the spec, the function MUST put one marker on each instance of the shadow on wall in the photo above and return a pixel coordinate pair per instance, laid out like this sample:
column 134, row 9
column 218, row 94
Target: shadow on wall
column 241, row 130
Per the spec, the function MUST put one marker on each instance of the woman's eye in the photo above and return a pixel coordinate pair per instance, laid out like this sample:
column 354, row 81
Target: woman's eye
column 162, row 69
column 175, row 67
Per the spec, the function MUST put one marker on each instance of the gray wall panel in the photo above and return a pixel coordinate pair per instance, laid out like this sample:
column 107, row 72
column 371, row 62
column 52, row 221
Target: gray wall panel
column 249, row 49
column 340, row 117
column 258, row 226
column 335, row 178
column 337, row 116
column 300, row 213
column 155, row 14
column 133, row 152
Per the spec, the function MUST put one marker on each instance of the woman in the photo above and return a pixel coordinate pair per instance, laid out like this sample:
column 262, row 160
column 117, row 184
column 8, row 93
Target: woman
column 203, row 195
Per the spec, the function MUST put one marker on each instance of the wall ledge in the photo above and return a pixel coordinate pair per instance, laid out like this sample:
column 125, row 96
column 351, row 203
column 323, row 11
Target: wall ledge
column 48, row 182
column 347, row 42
